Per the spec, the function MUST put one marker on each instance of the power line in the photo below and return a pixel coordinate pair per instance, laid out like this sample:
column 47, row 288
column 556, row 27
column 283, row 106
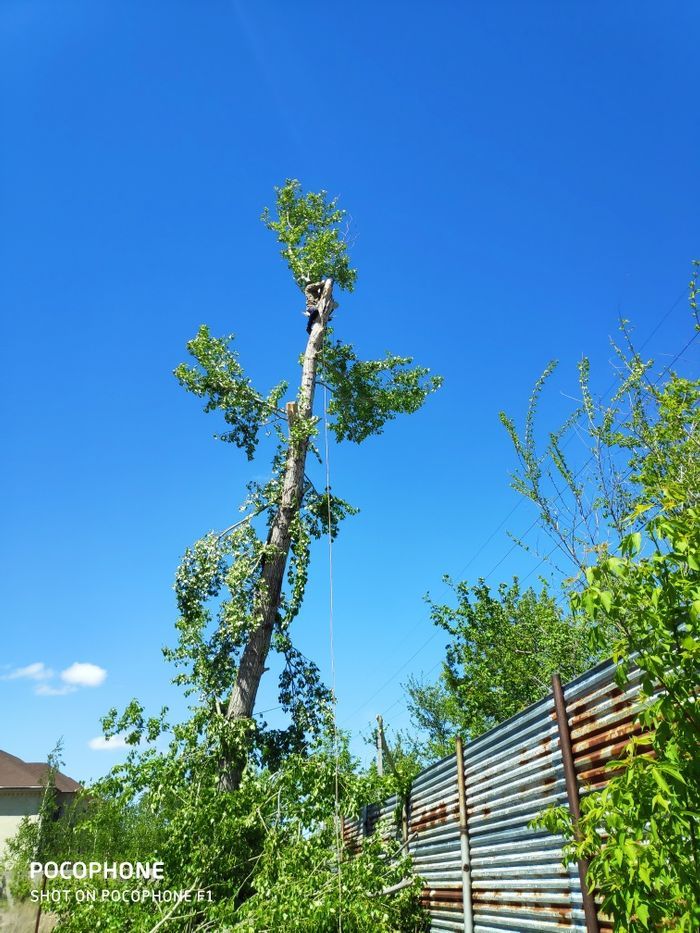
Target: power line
column 537, row 519
column 402, row 699
column 678, row 355
column 393, row 676
column 663, row 319
column 590, row 458
column 271, row 709
column 517, row 505
column 490, row 538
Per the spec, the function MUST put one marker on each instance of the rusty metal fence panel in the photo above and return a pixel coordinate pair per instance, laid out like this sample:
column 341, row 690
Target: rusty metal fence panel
column 433, row 842
column 506, row 877
column 512, row 773
column 602, row 719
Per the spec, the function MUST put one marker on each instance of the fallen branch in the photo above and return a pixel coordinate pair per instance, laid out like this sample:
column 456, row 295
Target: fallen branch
column 395, row 888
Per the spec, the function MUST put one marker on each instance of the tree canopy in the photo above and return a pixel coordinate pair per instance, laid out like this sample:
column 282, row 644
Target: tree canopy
column 233, row 807
column 503, row 648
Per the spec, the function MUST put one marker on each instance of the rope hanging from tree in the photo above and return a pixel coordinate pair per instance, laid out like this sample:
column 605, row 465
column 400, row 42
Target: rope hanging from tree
column 337, row 819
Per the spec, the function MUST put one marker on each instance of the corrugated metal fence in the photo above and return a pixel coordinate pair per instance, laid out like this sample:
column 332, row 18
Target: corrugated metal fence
column 468, row 816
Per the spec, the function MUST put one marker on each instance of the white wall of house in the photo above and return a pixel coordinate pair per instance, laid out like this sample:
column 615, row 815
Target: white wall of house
column 14, row 805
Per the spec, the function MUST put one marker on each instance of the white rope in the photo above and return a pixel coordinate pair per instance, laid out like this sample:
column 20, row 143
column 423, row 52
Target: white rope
column 338, row 827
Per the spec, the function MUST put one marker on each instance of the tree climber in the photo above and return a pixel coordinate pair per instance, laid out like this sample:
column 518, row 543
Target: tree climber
column 313, row 295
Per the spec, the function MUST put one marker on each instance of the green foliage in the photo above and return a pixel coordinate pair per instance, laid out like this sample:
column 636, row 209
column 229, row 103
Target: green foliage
column 368, row 393
column 36, row 837
column 268, row 853
column 221, row 570
column 673, row 442
column 640, row 832
column 219, row 377
column 402, row 764
column 309, row 228
column 645, row 435
column 92, row 827
column 219, row 584
column 301, row 885
column 300, row 893
column 503, row 650
column 326, row 512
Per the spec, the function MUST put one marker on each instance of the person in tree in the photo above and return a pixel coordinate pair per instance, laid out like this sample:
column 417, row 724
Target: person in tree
column 313, row 296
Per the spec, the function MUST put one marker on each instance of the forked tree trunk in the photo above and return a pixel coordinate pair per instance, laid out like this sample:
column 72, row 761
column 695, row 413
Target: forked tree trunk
column 252, row 664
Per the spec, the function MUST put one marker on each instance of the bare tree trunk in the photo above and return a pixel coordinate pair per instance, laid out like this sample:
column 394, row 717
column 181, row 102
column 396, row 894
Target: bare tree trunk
column 252, row 664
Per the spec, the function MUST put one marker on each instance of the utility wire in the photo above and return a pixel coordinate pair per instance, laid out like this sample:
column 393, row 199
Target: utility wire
column 270, row 709
column 402, row 699
column 590, row 458
column 537, row 519
column 394, row 675
column 656, row 382
column 520, row 501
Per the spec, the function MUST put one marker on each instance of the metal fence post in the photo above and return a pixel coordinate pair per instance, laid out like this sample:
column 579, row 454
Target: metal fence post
column 464, row 840
column 589, row 905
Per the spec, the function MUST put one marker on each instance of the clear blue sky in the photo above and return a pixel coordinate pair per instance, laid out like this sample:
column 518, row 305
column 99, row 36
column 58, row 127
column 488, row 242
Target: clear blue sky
column 518, row 174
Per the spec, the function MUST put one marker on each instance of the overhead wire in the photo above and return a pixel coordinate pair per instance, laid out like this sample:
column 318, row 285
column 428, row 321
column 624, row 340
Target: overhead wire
column 590, row 459
column 536, row 520
column 520, row 501
column 401, row 699
column 544, row 559
column 658, row 379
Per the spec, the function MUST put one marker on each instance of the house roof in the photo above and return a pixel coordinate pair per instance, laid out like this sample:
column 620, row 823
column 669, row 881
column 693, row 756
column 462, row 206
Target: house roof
column 18, row 774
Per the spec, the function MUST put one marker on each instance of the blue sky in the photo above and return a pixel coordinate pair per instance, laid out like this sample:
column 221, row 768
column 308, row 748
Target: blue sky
column 518, row 175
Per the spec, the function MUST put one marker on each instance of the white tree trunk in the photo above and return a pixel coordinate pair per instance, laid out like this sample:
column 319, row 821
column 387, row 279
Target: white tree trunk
column 252, row 663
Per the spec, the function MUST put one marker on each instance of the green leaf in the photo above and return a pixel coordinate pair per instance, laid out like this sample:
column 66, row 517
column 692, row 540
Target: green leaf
column 660, row 780
column 606, row 599
column 366, row 394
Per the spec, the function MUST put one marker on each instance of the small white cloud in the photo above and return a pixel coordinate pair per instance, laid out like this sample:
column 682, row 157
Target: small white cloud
column 46, row 690
column 36, row 671
column 77, row 675
column 84, row 675
column 101, row 744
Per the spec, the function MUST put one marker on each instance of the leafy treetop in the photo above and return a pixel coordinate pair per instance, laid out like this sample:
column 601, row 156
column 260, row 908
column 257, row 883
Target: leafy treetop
column 313, row 244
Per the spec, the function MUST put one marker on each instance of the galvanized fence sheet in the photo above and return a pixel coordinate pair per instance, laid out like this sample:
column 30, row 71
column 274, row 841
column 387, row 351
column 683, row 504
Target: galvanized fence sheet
column 512, row 880
column 433, row 842
column 511, row 774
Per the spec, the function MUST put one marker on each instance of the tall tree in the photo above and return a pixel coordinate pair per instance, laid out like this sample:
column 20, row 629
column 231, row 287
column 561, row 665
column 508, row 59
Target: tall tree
column 241, row 571
column 504, row 647
column 268, row 852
